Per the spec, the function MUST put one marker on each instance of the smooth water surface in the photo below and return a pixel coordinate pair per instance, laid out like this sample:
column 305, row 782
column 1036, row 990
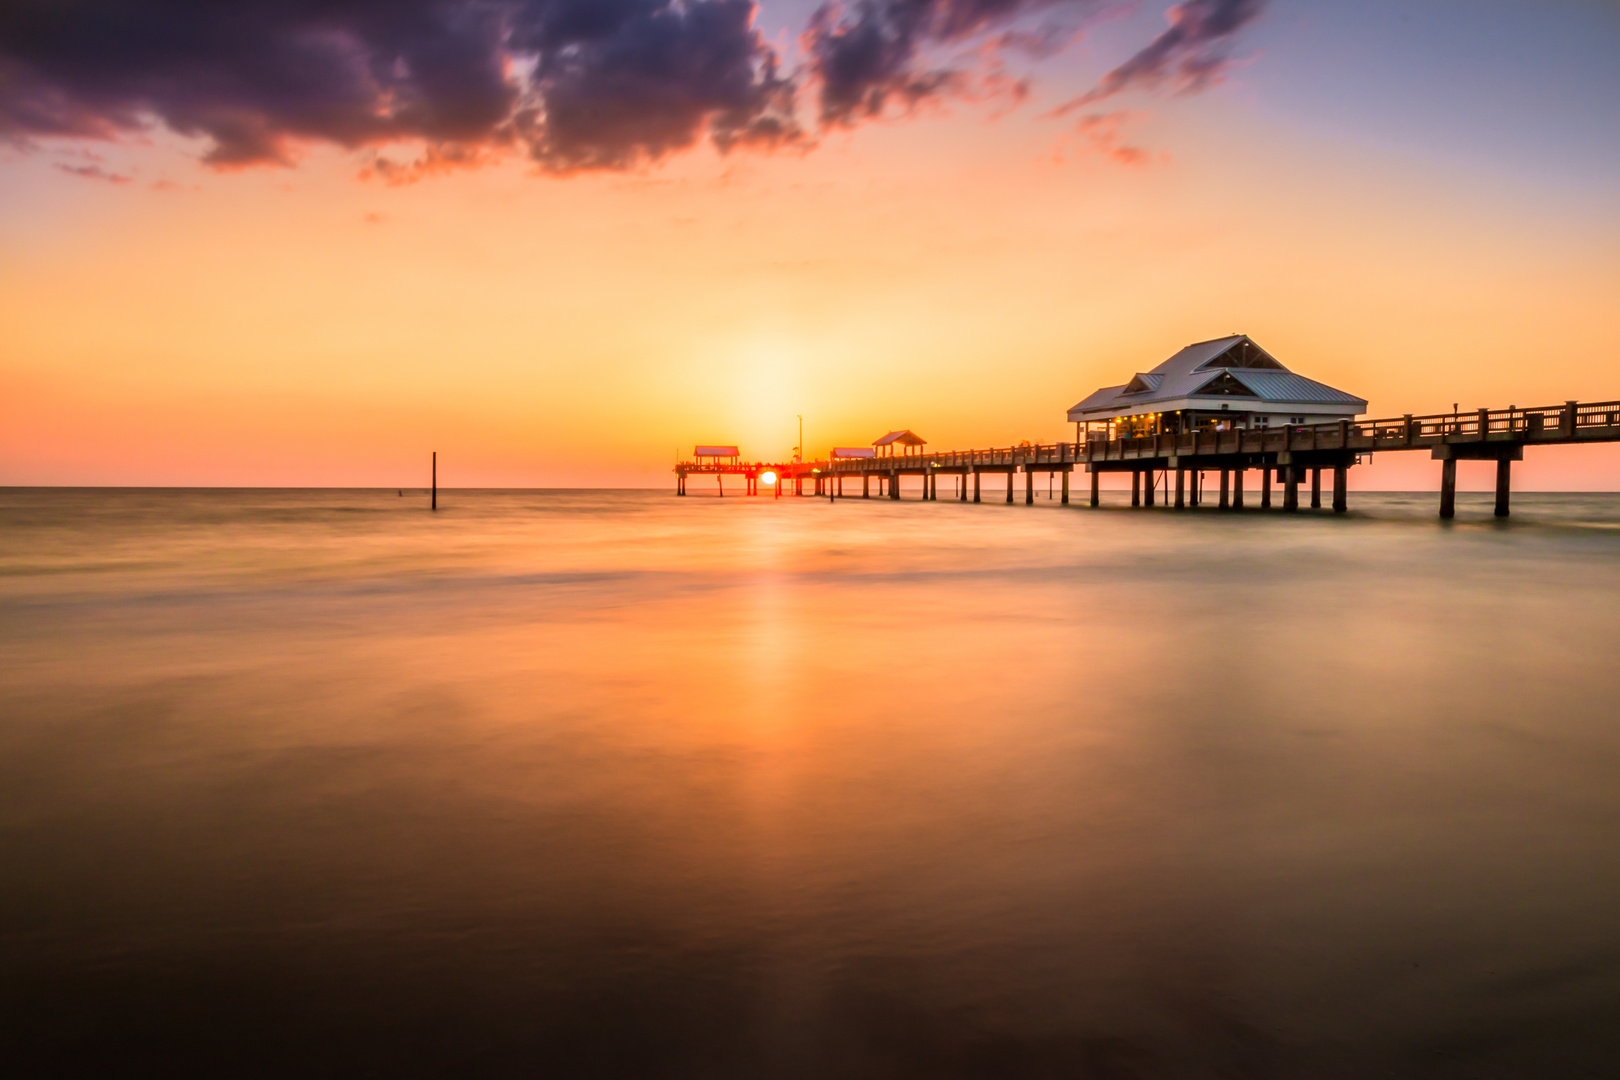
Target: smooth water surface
column 618, row 784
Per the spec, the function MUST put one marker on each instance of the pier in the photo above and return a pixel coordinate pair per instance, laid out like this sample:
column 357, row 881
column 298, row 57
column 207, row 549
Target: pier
column 1172, row 469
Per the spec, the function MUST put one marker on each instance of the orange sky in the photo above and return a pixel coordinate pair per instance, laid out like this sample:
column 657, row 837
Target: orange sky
column 947, row 273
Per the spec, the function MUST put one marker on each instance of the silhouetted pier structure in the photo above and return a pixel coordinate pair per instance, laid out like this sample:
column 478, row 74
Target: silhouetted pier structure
column 1172, row 469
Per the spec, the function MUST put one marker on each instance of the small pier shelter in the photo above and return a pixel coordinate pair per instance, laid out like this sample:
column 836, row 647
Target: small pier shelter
column 1225, row 384
column 908, row 441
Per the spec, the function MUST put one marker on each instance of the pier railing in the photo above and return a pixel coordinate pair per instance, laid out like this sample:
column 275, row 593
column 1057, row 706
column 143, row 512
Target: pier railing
column 1569, row 422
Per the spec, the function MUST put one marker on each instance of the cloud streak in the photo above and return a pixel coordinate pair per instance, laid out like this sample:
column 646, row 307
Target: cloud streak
column 1191, row 55
column 873, row 54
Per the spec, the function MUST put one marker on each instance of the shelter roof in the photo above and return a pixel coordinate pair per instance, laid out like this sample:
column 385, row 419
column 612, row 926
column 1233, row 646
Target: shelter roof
column 905, row 437
column 715, row 451
column 1220, row 369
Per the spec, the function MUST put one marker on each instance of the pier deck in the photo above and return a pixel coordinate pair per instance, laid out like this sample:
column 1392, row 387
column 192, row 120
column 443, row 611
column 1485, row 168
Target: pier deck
column 1291, row 454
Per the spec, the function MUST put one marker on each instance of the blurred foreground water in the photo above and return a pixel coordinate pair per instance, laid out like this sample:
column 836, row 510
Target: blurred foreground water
column 317, row 783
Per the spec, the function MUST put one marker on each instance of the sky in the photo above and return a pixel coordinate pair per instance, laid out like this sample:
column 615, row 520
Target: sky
column 561, row 241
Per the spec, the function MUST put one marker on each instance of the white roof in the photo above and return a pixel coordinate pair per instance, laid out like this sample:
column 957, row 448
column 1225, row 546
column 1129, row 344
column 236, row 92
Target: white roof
column 1229, row 370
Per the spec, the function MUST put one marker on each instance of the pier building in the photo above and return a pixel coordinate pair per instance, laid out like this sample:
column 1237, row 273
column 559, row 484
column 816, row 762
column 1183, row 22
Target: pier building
column 1225, row 384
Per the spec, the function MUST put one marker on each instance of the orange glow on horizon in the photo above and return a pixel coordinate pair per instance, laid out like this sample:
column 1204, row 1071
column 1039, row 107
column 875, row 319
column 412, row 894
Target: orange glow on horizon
column 309, row 328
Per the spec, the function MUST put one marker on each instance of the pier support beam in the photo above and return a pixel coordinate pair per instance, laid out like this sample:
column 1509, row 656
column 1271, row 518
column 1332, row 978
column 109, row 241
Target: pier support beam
column 1226, row 495
column 1011, row 477
column 1265, row 488
column 894, row 485
column 1237, row 489
column 1065, row 487
column 1290, row 489
column 975, row 485
column 1181, row 489
column 1136, row 487
column 866, row 485
column 1096, row 499
column 1448, row 488
column 1149, row 479
column 1341, row 492
column 1029, row 488
column 1504, row 470
column 1316, row 489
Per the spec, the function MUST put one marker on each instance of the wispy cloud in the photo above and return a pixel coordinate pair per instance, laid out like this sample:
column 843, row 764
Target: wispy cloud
column 94, row 172
column 1191, row 55
column 876, row 54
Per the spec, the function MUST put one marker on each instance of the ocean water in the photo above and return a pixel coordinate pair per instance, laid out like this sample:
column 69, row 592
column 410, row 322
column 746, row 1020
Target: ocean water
column 559, row 783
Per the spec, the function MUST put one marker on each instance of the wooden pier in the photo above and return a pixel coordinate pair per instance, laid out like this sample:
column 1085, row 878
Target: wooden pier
column 1170, row 469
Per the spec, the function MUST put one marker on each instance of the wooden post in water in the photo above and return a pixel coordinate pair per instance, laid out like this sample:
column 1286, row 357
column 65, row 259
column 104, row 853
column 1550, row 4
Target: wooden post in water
column 1181, row 488
column 435, row 503
column 1341, row 494
column 1226, row 490
column 1029, row 487
column 1265, row 488
column 894, row 484
column 1316, row 488
column 1096, row 499
column 1290, row 489
column 1237, row 489
column 1136, row 487
column 1448, row 488
column 1066, row 487
column 1148, row 484
column 975, row 485
column 1504, row 469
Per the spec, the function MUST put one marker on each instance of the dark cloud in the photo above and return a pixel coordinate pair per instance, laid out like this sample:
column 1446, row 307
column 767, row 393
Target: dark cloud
column 578, row 83
column 574, row 84
column 871, row 54
column 1191, row 54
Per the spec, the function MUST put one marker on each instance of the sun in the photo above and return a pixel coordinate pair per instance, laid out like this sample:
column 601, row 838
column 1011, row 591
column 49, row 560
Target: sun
column 767, row 478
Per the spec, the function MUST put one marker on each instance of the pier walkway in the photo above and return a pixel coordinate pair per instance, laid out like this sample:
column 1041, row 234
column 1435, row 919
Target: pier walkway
column 1171, row 469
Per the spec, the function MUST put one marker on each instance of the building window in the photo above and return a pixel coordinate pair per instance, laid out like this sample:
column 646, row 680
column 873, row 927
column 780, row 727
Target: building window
column 1296, row 419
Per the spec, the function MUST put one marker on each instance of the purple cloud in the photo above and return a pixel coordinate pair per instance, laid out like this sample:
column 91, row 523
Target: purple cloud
column 870, row 55
column 1192, row 54
column 579, row 84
